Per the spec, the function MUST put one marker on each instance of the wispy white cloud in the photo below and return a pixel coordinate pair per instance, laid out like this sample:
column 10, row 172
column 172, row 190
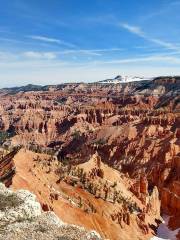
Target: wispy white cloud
column 164, row 44
column 172, row 57
column 52, row 40
column 53, row 55
column 40, row 55
column 46, row 39
column 139, row 32
column 166, row 8
column 6, row 56
column 37, row 72
column 30, row 67
column 95, row 52
column 138, row 60
column 80, row 52
column 10, row 40
column 133, row 29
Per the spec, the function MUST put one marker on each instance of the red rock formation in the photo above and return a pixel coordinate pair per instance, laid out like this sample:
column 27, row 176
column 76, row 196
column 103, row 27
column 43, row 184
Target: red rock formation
column 133, row 128
column 7, row 167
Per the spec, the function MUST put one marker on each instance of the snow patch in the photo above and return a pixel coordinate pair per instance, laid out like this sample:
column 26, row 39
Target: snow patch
column 164, row 233
column 124, row 79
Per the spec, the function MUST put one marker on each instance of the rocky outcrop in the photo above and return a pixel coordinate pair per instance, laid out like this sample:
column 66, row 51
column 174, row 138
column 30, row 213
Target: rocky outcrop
column 21, row 218
column 170, row 198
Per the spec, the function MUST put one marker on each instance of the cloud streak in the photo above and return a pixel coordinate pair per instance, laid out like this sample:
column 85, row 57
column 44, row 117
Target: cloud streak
column 52, row 40
column 95, row 52
column 41, row 72
column 152, row 59
column 138, row 31
column 40, row 55
column 53, row 55
column 33, row 67
column 172, row 57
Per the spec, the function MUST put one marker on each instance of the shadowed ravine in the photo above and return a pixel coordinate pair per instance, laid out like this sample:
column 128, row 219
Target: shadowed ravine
column 164, row 232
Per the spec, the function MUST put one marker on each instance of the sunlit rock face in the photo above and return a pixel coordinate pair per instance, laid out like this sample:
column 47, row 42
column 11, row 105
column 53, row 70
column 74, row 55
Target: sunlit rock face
column 131, row 130
column 21, row 218
column 17, row 207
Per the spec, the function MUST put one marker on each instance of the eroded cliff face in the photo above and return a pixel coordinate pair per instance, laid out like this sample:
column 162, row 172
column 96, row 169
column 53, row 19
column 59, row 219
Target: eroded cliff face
column 7, row 166
column 132, row 128
column 22, row 218
column 95, row 195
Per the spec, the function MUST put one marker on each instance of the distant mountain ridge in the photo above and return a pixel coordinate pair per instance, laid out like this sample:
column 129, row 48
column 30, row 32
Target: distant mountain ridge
column 26, row 88
column 147, row 82
column 121, row 79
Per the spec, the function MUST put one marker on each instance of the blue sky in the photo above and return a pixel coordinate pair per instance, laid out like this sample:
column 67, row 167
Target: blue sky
column 54, row 41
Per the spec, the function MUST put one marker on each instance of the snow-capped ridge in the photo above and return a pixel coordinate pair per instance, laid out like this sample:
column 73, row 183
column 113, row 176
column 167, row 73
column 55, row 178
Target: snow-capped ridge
column 123, row 79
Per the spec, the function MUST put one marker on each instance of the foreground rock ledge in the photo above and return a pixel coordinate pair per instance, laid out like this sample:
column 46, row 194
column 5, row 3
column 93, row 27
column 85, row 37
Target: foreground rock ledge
column 21, row 218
